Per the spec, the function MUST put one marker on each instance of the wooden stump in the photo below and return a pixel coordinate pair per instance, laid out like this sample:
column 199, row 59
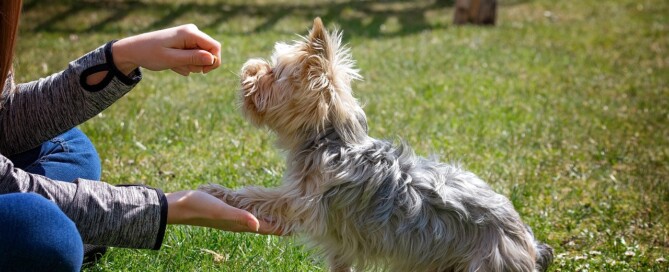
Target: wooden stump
column 479, row 12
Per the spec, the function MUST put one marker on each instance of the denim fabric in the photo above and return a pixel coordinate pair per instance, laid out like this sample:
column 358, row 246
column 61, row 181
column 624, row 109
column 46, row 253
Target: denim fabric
column 35, row 235
column 66, row 157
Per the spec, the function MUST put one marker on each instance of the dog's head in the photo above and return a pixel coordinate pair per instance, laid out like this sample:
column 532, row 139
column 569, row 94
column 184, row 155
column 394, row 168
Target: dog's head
column 304, row 90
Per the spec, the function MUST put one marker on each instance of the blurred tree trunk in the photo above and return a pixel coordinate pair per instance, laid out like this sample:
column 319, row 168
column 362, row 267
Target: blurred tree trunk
column 480, row 12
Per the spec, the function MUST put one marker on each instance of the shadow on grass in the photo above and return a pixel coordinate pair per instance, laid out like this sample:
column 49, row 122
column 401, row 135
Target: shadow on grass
column 363, row 18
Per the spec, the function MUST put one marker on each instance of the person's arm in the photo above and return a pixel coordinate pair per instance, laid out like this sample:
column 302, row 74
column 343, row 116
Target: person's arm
column 122, row 216
column 128, row 216
column 34, row 112
column 39, row 110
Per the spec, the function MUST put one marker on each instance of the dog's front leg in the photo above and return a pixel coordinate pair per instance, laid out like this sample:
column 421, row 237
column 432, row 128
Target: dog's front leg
column 267, row 204
column 337, row 264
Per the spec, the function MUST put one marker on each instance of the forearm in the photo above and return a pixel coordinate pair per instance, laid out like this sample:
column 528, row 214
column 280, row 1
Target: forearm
column 42, row 109
column 104, row 215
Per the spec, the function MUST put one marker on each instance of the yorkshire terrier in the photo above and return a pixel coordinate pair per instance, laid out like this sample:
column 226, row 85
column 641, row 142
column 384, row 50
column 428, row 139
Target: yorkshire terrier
column 366, row 203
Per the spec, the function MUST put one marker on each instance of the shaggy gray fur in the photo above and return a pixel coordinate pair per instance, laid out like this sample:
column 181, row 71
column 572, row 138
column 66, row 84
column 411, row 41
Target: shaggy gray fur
column 363, row 202
column 380, row 206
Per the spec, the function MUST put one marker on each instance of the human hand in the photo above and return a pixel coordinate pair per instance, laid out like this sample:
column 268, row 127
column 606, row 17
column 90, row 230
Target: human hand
column 201, row 209
column 184, row 49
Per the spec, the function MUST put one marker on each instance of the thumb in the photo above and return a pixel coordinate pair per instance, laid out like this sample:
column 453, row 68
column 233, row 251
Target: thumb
column 197, row 57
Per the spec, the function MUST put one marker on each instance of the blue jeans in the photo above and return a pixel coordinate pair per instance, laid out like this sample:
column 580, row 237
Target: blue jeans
column 35, row 235
column 66, row 157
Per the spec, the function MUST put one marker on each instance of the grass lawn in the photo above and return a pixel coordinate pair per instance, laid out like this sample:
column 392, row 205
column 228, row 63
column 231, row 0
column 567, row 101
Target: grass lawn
column 563, row 107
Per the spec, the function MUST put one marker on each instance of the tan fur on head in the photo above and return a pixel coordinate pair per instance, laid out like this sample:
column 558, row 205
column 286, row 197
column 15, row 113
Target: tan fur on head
column 305, row 88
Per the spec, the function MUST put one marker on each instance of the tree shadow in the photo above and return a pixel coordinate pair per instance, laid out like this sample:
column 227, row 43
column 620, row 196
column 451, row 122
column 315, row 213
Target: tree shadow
column 363, row 18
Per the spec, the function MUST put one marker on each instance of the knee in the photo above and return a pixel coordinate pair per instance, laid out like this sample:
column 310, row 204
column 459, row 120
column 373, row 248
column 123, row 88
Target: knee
column 37, row 236
column 71, row 156
column 80, row 146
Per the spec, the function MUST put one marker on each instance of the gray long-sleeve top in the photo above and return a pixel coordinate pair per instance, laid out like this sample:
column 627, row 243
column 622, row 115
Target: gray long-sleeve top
column 34, row 112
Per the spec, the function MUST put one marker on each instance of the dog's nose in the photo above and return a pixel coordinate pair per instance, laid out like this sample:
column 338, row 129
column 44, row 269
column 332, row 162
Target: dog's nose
column 254, row 67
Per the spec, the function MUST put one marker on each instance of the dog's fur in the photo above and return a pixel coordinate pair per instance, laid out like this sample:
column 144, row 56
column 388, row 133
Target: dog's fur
column 363, row 202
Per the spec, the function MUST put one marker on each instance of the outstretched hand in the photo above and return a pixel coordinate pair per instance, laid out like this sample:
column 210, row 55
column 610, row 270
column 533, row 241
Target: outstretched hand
column 201, row 209
column 184, row 49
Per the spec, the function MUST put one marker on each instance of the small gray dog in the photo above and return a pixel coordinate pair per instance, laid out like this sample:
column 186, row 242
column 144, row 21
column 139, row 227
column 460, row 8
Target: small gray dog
column 363, row 202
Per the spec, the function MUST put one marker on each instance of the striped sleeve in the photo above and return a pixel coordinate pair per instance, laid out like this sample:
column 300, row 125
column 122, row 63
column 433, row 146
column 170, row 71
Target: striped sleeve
column 31, row 113
column 34, row 112
column 121, row 216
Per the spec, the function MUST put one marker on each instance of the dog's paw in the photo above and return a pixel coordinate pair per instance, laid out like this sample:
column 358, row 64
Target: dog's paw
column 278, row 227
column 220, row 192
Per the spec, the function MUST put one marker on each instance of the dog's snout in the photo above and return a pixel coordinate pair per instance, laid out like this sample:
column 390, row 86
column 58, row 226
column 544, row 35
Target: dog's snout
column 255, row 67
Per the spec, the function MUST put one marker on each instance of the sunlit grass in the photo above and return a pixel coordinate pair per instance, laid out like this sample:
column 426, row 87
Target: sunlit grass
column 563, row 107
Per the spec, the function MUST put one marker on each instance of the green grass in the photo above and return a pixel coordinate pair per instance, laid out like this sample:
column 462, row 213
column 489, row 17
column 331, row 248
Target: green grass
column 563, row 107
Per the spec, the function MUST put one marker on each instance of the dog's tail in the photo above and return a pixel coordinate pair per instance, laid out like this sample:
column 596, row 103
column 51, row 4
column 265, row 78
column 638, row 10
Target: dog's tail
column 544, row 253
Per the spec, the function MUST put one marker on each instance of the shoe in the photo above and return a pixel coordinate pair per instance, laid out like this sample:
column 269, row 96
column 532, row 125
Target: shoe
column 93, row 253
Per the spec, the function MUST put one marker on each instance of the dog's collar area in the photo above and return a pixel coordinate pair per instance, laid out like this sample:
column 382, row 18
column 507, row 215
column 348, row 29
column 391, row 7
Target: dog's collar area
column 329, row 135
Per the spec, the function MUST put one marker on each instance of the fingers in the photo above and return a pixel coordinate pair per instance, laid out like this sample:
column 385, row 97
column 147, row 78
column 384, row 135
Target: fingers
column 201, row 209
column 198, row 57
column 196, row 39
column 181, row 70
column 217, row 63
column 269, row 228
column 184, row 49
column 192, row 61
column 247, row 222
column 186, row 70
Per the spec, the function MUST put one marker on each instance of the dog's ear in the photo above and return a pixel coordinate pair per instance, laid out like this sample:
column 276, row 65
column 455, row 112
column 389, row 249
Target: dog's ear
column 319, row 40
column 320, row 53
column 328, row 64
column 329, row 70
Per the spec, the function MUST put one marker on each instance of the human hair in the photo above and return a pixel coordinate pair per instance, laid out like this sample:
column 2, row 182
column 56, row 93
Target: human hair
column 9, row 24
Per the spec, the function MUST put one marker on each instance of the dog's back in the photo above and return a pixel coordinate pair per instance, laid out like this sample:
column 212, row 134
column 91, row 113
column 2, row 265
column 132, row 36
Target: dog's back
column 387, row 206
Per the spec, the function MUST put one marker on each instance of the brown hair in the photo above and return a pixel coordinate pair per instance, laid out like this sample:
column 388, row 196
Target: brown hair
column 9, row 24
